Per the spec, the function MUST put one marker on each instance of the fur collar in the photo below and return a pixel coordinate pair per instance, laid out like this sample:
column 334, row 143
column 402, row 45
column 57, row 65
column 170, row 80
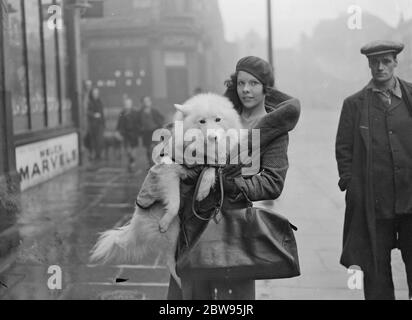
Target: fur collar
column 283, row 113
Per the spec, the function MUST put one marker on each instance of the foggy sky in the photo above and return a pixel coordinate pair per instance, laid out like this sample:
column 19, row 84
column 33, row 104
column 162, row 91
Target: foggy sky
column 292, row 17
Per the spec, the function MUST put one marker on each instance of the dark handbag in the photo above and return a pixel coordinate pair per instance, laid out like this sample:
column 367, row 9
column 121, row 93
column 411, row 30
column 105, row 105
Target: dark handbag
column 246, row 243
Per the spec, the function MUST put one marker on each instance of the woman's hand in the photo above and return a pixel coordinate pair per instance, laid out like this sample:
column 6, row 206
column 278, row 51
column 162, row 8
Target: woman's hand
column 192, row 174
column 232, row 170
column 229, row 173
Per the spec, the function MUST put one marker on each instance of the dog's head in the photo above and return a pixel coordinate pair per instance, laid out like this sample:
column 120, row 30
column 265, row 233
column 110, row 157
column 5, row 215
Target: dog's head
column 210, row 126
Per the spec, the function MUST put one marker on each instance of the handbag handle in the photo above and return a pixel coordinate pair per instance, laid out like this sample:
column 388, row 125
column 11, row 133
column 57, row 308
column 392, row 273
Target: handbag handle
column 218, row 209
column 220, row 176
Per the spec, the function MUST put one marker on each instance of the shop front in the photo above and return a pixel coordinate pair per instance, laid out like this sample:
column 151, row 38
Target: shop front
column 40, row 91
column 155, row 48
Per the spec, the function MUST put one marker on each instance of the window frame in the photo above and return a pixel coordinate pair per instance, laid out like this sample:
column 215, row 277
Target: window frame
column 35, row 135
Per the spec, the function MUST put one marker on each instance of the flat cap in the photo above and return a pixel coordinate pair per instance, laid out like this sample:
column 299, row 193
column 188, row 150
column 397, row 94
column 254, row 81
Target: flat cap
column 382, row 47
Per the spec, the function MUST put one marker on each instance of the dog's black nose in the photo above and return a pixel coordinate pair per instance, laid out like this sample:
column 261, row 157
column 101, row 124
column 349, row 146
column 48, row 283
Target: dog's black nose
column 162, row 155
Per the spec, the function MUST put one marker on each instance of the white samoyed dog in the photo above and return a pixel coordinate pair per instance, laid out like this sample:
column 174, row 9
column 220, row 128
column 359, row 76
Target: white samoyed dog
column 205, row 119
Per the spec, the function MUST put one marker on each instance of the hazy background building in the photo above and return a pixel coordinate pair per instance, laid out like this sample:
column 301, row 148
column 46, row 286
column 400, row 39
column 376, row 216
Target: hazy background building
column 162, row 48
column 327, row 66
column 316, row 55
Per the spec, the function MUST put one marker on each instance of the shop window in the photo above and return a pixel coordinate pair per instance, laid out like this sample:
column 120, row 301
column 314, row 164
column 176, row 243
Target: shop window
column 35, row 70
column 37, row 67
column 49, row 32
column 17, row 69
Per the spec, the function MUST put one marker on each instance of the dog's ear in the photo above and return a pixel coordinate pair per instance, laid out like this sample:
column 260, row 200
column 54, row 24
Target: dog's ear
column 183, row 109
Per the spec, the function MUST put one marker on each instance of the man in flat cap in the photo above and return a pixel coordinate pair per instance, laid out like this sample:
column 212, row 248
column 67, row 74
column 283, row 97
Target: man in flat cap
column 374, row 156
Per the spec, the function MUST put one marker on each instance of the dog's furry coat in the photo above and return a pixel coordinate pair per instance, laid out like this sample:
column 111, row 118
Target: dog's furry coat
column 155, row 223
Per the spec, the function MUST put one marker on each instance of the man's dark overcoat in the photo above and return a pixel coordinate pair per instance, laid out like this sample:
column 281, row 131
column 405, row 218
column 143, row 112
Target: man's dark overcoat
column 354, row 158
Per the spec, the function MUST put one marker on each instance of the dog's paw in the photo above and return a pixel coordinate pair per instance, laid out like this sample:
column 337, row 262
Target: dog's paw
column 163, row 227
column 164, row 224
column 202, row 194
column 207, row 183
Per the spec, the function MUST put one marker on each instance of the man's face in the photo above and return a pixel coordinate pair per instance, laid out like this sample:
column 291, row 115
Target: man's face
column 382, row 67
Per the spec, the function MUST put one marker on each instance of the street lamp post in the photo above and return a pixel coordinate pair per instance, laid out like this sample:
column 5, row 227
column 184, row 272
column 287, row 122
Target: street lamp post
column 270, row 45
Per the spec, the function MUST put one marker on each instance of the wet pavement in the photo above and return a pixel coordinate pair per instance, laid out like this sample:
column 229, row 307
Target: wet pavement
column 60, row 219
column 313, row 202
column 58, row 226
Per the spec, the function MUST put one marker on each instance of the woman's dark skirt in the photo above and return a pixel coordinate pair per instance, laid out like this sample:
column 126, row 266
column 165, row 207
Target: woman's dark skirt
column 212, row 290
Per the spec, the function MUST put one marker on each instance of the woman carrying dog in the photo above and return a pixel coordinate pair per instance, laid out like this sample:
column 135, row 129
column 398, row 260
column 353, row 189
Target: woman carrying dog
column 251, row 90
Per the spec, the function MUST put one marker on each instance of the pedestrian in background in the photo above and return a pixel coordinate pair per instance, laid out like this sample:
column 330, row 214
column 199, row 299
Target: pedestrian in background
column 128, row 125
column 150, row 120
column 374, row 156
column 86, row 93
column 96, row 124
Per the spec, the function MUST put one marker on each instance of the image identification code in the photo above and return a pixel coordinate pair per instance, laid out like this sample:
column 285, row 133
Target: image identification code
column 212, row 309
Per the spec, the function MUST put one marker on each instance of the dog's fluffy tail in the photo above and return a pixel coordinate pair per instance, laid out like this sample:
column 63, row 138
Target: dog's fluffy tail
column 128, row 244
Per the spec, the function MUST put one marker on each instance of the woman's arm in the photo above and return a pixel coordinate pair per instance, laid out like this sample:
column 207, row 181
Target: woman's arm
column 268, row 183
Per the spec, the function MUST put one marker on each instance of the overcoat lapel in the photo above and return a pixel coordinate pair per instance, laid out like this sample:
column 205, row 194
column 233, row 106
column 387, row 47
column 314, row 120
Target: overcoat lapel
column 407, row 97
column 395, row 103
column 364, row 120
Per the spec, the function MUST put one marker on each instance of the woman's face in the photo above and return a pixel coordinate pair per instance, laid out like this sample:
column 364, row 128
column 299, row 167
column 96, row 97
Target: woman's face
column 249, row 90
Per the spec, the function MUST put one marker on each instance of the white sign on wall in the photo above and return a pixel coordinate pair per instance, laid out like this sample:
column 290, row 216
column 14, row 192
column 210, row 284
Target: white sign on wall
column 175, row 59
column 41, row 161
